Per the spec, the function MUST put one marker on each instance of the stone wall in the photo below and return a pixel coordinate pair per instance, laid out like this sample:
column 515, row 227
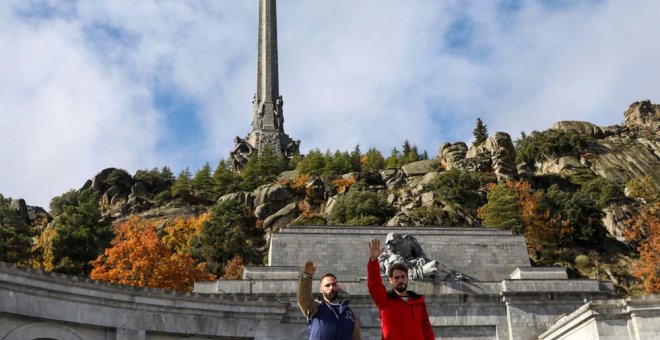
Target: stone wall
column 481, row 254
column 620, row 319
column 35, row 305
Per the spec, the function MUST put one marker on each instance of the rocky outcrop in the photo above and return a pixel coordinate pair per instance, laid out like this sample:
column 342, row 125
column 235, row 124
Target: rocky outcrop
column 420, row 167
column 451, row 153
column 614, row 218
column 21, row 208
column 496, row 154
column 643, row 114
column 584, row 128
column 243, row 197
column 621, row 159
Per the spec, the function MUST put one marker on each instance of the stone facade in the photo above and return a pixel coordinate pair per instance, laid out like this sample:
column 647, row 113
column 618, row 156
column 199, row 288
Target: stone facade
column 632, row 318
column 500, row 297
column 489, row 304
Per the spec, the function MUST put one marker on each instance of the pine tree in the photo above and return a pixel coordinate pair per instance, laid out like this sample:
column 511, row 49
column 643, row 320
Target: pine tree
column 503, row 210
column 313, row 164
column 373, row 160
column 181, row 187
column 229, row 232
column 15, row 236
column 480, row 133
column 202, row 185
column 166, row 175
column 81, row 234
column 393, row 160
column 261, row 169
column 355, row 159
column 225, row 181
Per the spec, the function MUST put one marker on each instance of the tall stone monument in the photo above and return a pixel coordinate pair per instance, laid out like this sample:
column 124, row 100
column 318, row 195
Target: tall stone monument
column 267, row 103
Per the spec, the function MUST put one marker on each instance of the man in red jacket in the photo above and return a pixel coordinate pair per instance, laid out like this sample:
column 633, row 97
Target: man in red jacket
column 403, row 312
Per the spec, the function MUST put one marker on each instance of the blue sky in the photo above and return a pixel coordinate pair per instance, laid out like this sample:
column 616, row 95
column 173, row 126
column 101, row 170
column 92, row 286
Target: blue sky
column 86, row 85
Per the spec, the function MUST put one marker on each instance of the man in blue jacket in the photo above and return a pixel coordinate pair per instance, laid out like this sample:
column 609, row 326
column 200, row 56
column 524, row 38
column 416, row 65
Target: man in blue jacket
column 327, row 318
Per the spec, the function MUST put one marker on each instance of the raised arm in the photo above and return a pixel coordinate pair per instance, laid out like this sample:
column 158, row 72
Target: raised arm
column 374, row 281
column 307, row 305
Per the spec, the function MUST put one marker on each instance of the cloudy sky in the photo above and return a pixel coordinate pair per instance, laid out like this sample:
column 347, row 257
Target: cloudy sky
column 86, row 85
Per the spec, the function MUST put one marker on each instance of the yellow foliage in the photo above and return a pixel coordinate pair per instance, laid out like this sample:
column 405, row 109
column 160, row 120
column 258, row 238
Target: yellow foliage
column 179, row 234
column 43, row 250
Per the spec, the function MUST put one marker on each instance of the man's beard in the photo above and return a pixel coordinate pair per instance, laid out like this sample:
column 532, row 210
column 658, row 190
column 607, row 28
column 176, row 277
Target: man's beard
column 401, row 287
column 331, row 296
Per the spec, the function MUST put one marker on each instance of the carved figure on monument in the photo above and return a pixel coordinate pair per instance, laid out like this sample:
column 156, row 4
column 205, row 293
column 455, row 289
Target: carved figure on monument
column 241, row 154
column 258, row 113
column 292, row 149
column 406, row 249
column 279, row 113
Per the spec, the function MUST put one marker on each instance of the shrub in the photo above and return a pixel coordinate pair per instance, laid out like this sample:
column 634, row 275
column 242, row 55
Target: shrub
column 582, row 261
column 550, row 143
column 361, row 208
column 461, row 188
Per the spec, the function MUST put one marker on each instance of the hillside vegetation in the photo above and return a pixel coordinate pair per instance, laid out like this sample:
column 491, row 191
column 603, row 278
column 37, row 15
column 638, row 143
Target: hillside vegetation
column 584, row 197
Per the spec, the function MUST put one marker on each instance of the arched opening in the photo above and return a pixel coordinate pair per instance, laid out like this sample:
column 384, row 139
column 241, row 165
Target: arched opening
column 42, row 331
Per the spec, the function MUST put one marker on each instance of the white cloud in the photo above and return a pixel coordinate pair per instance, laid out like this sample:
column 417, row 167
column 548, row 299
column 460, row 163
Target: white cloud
column 78, row 84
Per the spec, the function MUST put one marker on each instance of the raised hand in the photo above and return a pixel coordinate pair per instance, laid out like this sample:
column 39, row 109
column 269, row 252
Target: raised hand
column 309, row 268
column 375, row 249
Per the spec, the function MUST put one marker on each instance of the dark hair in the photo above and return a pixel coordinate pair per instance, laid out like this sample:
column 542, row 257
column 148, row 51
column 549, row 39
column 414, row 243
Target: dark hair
column 397, row 266
column 326, row 275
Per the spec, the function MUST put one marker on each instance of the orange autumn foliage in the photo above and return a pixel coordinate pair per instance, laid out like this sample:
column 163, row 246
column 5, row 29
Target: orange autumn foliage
column 138, row 257
column 234, row 269
column 542, row 230
column 645, row 230
column 343, row 184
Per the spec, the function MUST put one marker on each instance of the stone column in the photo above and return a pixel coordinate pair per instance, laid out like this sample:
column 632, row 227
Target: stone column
column 267, row 68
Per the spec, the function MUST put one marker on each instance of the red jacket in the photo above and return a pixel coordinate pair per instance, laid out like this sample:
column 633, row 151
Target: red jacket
column 399, row 319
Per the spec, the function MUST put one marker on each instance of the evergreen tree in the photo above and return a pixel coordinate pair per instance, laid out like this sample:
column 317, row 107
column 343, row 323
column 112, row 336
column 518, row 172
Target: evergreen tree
column 120, row 179
column 480, row 133
column 229, row 232
column 166, row 175
column 461, row 188
column 58, row 203
column 202, row 185
column 361, row 208
column 373, row 160
column 261, row 169
column 503, row 209
column 579, row 210
column 405, row 149
column 81, row 234
column 393, row 160
column 181, row 188
column 15, row 235
column 337, row 164
column 313, row 164
column 225, row 181
column 356, row 165
column 413, row 155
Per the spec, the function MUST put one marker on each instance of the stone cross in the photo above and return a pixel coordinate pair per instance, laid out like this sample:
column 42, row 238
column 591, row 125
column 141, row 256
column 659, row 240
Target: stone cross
column 267, row 69
column 267, row 103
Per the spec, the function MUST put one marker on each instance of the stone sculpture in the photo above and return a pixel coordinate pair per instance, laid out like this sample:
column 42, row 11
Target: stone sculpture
column 279, row 113
column 405, row 248
column 241, row 153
